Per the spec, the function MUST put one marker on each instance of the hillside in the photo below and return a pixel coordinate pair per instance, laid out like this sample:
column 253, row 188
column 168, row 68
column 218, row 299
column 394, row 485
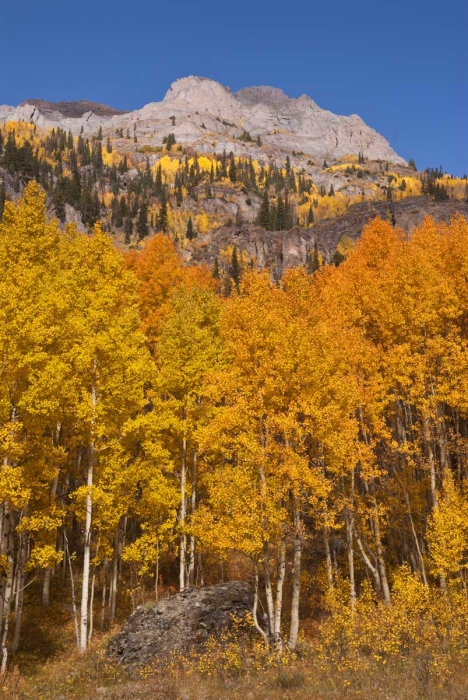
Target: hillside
column 216, row 170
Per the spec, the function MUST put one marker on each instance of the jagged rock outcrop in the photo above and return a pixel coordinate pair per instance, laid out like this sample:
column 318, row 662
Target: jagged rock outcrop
column 278, row 250
column 182, row 621
column 207, row 115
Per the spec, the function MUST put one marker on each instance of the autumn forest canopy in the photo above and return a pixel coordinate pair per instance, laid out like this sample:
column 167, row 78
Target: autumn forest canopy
column 308, row 435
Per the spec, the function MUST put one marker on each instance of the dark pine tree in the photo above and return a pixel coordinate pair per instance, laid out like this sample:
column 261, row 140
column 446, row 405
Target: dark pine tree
column 162, row 218
column 59, row 201
column 232, row 168
column 235, row 269
column 2, row 199
column 128, row 229
column 264, row 214
column 190, row 233
column 142, row 221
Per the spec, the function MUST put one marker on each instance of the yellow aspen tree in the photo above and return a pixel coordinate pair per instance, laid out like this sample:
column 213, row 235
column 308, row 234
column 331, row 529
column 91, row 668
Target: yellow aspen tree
column 188, row 348
column 109, row 363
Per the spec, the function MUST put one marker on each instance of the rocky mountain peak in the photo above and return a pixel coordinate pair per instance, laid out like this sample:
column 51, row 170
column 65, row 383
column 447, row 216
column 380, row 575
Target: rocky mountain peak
column 264, row 94
column 208, row 116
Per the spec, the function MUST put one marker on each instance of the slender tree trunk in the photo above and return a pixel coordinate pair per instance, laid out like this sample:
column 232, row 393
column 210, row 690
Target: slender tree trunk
column 72, row 583
column 104, row 593
column 191, row 566
column 8, row 594
column 381, row 558
column 20, row 583
column 374, row 571
column 296, row 584
column 6, row 623
column 433, row 479
column 326, row 543
column 268, row 589
column 91, row 601
column 200, row 579
column 431, row 461
column 349, row 542
column 421, row 567
column 183, row 515
column 4, row 551
column 156, row 573
column 113, row 586
column 279, row 594
column 87, row 533
column 349, row 518
column 86, row 565
column 53, row 494
column 255, row 609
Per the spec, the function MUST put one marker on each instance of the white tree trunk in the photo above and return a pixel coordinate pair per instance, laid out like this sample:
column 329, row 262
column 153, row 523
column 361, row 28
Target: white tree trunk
column 113, row 586
column 296, row 587
column 279, row 594
column 255, row 609
column 87, row 533
column 191, row 562
column 72, row 584
column 20, row 583
column 183, row 515
column 268, row 589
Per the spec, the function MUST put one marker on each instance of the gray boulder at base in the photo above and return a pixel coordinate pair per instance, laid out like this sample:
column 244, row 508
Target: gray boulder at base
column 185, row 620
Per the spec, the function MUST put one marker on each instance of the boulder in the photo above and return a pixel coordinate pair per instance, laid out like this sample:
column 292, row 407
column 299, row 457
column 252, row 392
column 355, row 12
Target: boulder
column 182, row 621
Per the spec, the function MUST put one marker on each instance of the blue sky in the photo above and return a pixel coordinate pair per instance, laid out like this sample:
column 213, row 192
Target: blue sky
column 402, row 66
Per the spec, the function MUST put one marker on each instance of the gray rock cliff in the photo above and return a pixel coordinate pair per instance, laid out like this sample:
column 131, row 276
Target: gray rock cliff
column 208, row 116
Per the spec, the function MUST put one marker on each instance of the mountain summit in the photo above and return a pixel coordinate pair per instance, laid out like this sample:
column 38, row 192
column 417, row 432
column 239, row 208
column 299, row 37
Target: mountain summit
column 209, row 116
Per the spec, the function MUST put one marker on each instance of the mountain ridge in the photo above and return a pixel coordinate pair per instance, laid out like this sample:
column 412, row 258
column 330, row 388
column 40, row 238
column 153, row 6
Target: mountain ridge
column 203, row 113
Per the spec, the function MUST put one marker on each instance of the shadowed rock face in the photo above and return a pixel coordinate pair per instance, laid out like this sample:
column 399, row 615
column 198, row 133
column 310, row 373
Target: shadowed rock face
column 185, row 620
column 278, row 250
column 74, row 109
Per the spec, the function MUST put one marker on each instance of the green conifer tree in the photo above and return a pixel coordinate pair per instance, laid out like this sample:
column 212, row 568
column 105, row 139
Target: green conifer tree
column 264, row 214
column 2, row 199
column 128, row 229
column 162, row 218
column 190, row 233
column 235, row 269
column 142, row 221
column 232, row 168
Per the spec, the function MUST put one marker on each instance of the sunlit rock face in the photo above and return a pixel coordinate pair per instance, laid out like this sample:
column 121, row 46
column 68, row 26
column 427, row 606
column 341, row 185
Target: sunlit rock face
column 207, row 115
